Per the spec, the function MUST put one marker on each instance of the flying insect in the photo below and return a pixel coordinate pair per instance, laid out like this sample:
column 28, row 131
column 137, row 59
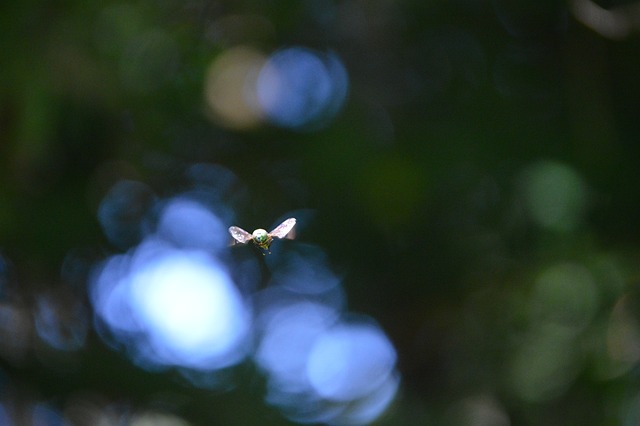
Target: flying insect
column 260, row 237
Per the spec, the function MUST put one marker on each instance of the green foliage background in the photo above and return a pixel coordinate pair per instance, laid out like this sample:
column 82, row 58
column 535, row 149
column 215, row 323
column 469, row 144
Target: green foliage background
column 419, row 188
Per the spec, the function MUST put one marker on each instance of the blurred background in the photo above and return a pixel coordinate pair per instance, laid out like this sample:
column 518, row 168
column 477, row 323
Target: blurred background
column 464, row 175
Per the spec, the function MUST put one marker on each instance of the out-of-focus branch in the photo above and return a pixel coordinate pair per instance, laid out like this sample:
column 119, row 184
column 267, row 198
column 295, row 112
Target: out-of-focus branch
column 616, row 23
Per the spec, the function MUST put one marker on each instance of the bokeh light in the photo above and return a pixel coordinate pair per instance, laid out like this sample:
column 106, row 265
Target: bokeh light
column 188, row 223
column 42, row 414
column 556, row 195
column 348, row 362
column 289, row 332
column 303, row 269
column 4, row 416
column 611, row 23
column 322, row 364
column 565, row 295
column 22, row 411
column 172, row 307
column 63, row 325
column 169, row 300
column 623, row 336
column 230, row 88
column 478, row 410
column 123, row 212
column 190, row 306
column 322, row 369
column 545, row 364
column 154, row 418
column 563, row 304
column 299, row 88
column 94, row 409
column 296, row 88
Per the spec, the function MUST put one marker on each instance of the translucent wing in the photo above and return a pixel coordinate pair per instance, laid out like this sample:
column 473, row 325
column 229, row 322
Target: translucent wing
column 284, row 228
column 239, row 234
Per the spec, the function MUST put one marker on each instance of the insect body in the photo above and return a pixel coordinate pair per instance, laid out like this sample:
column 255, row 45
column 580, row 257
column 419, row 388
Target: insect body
column 260, row 237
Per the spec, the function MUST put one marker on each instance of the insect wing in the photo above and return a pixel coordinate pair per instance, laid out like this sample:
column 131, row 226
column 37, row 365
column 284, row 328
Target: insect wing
column 240, row 235
column 284, row 228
